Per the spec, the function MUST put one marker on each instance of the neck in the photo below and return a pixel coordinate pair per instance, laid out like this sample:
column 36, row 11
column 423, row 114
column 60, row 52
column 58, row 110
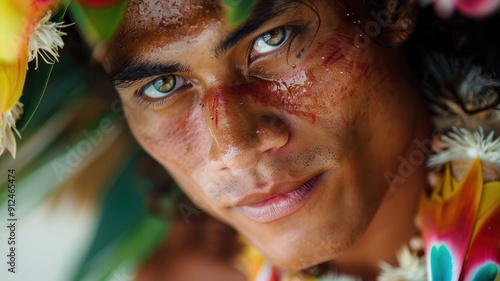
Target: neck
column 394, row 222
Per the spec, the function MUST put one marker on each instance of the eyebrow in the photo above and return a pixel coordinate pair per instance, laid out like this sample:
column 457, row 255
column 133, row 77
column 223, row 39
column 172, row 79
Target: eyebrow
column 130, row 72
column 133, row 71
column 263, row 13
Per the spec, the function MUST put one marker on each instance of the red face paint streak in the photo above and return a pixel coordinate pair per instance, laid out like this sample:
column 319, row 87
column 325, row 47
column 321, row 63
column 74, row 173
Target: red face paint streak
column 319, row 47
column 220, row 100
column 342, row 38
column 298, row 95
column 280, row 96
column 334, row 57
column 312, row 54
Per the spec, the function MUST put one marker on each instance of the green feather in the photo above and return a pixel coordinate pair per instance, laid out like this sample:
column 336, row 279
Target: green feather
column 238, row 10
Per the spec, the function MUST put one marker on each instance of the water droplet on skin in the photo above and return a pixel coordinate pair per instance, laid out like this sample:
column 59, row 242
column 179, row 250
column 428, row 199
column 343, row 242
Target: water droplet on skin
column 327, row 69
column 294, row 66
column 211, row 118
column 322, row 57
column 341, row 73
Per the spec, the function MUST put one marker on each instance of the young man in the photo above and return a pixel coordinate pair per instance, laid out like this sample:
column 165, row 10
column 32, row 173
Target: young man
column 289, row 127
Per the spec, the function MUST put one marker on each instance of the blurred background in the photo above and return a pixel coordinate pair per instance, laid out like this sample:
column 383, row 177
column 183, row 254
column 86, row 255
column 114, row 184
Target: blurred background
column 82, row 182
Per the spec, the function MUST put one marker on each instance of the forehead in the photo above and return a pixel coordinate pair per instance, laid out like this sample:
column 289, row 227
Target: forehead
column 146, row 21
column 167, row 16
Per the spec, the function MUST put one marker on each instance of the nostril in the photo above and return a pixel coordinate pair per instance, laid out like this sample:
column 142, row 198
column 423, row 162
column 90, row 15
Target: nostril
column 244, row 152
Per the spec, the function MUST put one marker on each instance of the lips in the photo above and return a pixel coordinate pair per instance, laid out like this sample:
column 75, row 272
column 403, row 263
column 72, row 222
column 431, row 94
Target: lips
column 264, row 209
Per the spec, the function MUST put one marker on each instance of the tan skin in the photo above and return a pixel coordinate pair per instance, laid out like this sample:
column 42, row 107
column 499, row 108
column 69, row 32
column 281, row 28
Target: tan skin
column 257, row 117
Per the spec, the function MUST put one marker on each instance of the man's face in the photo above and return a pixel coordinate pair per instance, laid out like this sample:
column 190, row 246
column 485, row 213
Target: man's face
column 282, row 127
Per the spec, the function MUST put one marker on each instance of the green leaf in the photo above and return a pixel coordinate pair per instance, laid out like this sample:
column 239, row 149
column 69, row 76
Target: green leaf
column 126, row 233
column 238, row 10
column 33, row 91
column 98, row 23
column 36, row 82
column 127, row 252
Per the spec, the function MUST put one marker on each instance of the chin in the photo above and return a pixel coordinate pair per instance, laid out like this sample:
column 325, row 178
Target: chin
column 324, row 229
column 300, row 250
column 311, row 255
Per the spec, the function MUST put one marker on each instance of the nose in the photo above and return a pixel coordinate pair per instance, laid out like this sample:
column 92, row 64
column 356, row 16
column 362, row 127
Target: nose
column 242, row 129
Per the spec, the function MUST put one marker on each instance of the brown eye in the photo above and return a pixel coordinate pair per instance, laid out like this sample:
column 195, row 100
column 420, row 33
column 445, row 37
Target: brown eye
column 271, row 40
column 163, row 86
column 275, row 37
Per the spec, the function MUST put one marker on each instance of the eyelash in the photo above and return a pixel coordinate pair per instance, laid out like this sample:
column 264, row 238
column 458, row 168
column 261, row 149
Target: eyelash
column 147, row 103
column 285, row 47
column 294, row 31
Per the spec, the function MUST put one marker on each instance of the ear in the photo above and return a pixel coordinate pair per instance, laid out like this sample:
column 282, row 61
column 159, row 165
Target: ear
column 398, row 19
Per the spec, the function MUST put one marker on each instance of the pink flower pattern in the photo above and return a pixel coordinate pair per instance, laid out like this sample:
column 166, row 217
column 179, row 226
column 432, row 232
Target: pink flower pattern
column 468, row 8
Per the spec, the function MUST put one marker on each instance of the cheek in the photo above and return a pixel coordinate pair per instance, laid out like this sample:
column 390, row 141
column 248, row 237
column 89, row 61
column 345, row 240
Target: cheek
column 313, row 94
column 327, row 85
column 180, row 140
column 332, row 97
column 341, row 80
